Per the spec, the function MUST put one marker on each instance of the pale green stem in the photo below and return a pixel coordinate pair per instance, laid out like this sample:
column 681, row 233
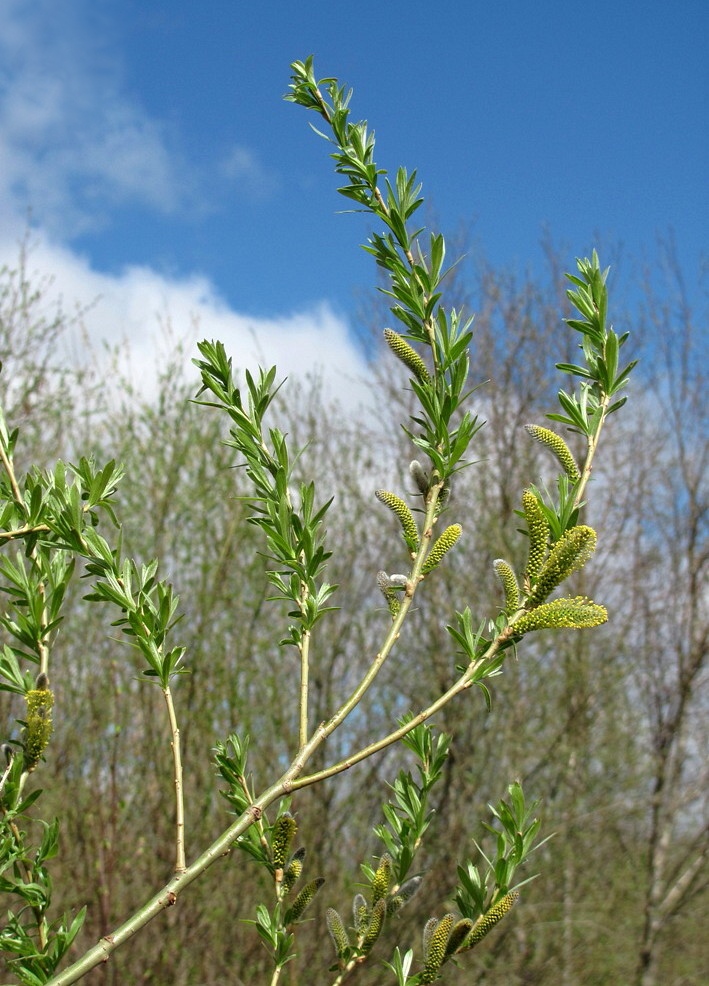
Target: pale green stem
column 167, row 896
column 591, row 447
column 179, row 792
column 304, row 672
column 7, row 463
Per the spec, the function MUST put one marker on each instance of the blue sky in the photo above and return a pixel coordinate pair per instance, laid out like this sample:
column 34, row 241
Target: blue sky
column 164, row 172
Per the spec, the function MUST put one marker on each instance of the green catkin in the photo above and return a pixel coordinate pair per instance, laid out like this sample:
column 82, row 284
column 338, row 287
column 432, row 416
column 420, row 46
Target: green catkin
column 487, row 921
column 408, row 355
column 389, row 592
column 458, row 935
column 337, row 931
column 282, row 836
column 293, row 871
column 405, row 892
column 420, row 477
column 360, row 914
column 577, row 613
column 381, row 881
column 507, row 577
column 436, row 951
column 568, row 555
column 406, row 518
column 559, row 447
column 442, row 545
column 303, row 900
column 428, row 930
column 374, row 929
column 538, row 528
column 38, row 729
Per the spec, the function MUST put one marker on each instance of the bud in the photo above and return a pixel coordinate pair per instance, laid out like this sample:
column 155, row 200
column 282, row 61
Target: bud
column 407, row 354
column 388, row 586
column 559, row 447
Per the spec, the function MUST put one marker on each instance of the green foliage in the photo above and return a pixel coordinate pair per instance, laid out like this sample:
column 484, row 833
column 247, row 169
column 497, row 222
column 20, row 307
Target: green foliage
column 69, row 517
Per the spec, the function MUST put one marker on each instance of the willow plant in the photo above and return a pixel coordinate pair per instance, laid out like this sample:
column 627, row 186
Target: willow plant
column 53, row 521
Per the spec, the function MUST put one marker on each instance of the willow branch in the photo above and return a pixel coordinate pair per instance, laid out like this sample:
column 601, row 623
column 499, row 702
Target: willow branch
column 179, row 792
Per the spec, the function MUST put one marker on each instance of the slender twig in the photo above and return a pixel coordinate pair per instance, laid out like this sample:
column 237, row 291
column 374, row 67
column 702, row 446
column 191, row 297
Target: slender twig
column 591, row 447
column 179, row 792
column 7, row 464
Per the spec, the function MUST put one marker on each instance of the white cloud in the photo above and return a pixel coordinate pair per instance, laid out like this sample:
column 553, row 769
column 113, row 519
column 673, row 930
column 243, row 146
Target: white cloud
column 243, row 167
column 72, row 143
column 130, row 307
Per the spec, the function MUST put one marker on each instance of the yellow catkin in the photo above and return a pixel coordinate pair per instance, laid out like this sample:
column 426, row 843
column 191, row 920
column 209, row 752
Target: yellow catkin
column 381, row 881
column 538, row 528
column 577, row 613
column 559, row 447
column 303, row 900
column 508, row 579
column 442, row 545
column 406, row 518
column 337, row 931
column 407, row 354
column 38, row 730
column 374, row 929
column 487, row 921
column 436, row 951
column 282, row 836
column 568, row 555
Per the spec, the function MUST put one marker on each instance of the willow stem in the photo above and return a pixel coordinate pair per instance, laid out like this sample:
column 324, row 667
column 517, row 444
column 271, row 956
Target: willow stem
column 179, row 793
